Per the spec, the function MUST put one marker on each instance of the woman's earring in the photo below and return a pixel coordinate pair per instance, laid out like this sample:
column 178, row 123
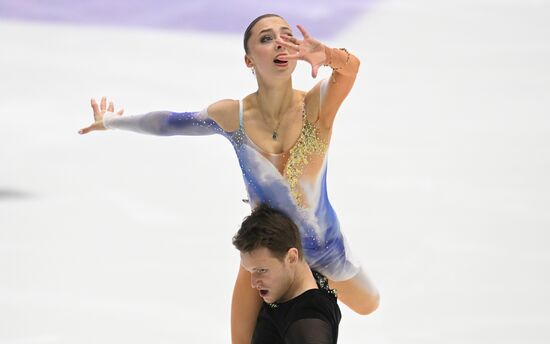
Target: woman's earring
column 253, row 71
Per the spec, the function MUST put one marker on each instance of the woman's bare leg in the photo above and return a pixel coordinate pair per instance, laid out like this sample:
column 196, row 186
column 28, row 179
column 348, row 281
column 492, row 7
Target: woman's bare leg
column 245, row 306
column 358, row 293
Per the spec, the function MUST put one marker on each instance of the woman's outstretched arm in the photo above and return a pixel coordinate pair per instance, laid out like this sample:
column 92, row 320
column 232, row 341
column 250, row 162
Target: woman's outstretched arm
column 164, row 123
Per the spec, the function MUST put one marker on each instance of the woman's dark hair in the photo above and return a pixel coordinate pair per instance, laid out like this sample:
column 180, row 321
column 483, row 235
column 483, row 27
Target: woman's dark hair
column 248, row 30
column 269, row 228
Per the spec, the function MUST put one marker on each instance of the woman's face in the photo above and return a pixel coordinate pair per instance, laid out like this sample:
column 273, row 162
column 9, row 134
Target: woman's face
column 263, row 50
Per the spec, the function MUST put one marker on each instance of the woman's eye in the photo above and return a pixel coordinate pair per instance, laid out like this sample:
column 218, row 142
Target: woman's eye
column 266, row 39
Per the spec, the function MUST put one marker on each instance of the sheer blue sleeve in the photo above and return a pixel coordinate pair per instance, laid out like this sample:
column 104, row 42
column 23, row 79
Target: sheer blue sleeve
column 164, row 123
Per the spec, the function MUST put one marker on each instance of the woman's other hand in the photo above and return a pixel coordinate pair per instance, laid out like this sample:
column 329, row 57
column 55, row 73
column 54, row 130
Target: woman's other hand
column 99, row 112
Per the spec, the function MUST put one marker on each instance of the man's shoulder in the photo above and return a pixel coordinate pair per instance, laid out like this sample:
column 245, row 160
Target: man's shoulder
column 317, row 295
column 314, row 318
column 315, row 303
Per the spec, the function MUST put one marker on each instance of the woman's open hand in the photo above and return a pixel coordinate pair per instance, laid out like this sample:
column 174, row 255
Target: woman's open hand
column 98, row 115
column 307, row 49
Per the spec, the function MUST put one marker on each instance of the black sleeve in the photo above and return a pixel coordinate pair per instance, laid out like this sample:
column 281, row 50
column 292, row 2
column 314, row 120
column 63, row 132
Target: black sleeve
column 309, row 331
column 265, row 331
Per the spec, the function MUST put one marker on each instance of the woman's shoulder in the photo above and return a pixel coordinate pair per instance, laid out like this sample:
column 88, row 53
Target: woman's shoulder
column 225, row 113
column 312, row 99
column 316, row 92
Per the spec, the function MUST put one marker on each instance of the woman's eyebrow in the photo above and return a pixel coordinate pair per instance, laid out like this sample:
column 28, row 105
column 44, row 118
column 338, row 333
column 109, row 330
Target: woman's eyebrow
column 269, row 29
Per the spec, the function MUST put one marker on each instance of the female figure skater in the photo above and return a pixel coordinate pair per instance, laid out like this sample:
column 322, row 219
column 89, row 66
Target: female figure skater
column 281, row 137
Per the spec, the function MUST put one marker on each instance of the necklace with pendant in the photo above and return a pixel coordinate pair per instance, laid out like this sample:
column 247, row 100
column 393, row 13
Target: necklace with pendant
column 275, row 133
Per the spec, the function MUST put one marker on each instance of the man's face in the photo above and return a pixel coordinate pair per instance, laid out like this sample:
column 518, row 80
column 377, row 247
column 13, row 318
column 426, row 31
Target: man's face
column 272, row 277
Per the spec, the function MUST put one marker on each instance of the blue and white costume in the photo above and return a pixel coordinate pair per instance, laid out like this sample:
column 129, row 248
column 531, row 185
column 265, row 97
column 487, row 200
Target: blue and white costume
column 293, row 181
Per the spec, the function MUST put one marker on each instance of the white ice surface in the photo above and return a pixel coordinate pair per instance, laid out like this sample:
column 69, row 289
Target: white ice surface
column 438, row 169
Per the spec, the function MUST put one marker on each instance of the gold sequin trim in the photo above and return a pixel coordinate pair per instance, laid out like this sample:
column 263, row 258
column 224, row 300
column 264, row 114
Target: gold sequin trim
column 308, row 144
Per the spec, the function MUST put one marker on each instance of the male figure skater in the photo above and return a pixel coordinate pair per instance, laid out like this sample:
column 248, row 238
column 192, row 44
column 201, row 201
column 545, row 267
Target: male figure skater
column 297, row 307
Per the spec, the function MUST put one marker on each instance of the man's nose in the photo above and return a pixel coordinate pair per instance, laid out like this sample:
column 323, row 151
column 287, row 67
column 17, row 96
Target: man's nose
column 253, row 282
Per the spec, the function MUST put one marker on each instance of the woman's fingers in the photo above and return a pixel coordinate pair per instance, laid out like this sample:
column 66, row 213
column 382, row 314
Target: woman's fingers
column 314, row 71
column 291, row 39
column 103, row 105
column 97, row 125
column 85, row 130
column 95, row 108
column 288, row 44
column 99, row 110
column 120, row 112
column 286, row 57
column 303, row 31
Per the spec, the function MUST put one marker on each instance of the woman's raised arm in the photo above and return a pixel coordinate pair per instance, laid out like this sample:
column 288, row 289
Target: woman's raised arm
column 344, row 66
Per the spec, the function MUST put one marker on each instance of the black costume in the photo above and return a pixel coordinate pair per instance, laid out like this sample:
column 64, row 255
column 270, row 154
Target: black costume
column 310, row 318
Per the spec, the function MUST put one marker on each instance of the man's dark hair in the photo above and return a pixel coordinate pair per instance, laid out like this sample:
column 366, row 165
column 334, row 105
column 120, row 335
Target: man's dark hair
column 248, row 31
column 269, row 228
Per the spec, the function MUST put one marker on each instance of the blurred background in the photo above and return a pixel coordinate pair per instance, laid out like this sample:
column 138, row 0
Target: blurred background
column 438, row 169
